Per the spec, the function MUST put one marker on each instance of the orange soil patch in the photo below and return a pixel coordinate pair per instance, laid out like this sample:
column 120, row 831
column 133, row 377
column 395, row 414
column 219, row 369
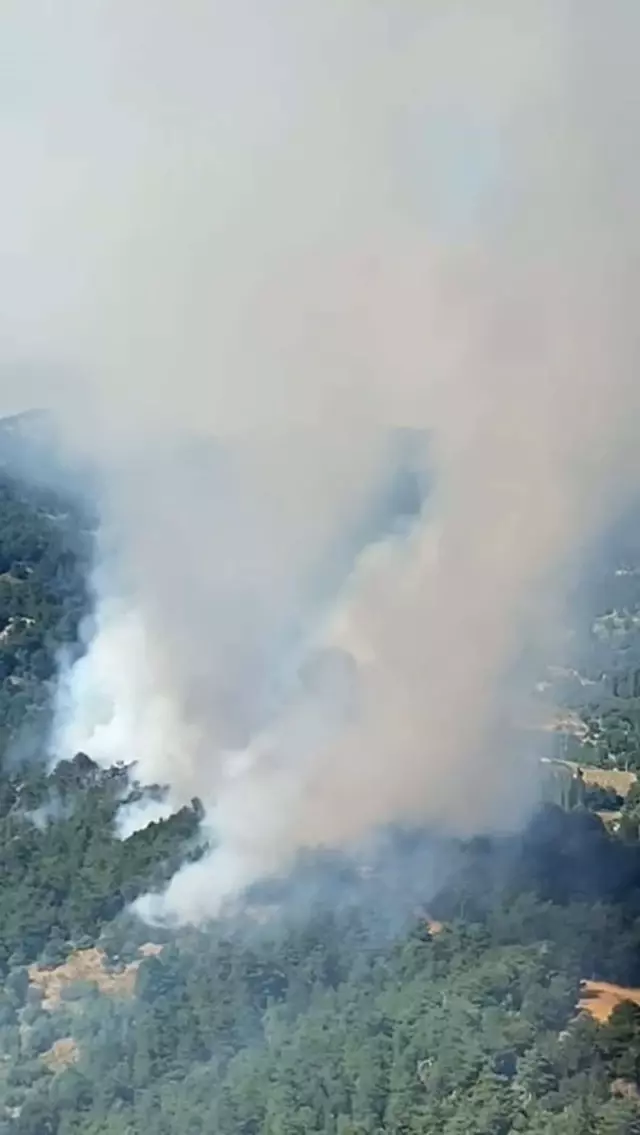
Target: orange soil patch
column 599, row 998
column 87, row 965
column 62, row 1054
column 618, row 779
column 614, row 778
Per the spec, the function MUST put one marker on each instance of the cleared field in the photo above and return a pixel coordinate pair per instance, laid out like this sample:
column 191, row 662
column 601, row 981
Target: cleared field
column 87, row 965
column 599, row 998
column 618, row 779
column 62, row 1054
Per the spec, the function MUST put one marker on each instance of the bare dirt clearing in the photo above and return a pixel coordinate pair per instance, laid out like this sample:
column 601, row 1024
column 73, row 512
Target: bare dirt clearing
column 617, row 779
column 600, row 998
column 62, row 1054
column 87, row 966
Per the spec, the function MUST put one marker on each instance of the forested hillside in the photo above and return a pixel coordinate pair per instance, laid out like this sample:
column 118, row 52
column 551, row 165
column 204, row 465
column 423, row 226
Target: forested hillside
column 438, row 992
column 45, row 561
column 601, row 688
column 337, row 1019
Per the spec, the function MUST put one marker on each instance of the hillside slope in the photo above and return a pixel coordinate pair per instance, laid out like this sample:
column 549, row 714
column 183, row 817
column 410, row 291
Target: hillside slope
column 335, row 1004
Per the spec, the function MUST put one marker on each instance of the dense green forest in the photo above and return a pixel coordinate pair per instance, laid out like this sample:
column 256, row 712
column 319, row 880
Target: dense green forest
column 439, row 991
column 338, row 1014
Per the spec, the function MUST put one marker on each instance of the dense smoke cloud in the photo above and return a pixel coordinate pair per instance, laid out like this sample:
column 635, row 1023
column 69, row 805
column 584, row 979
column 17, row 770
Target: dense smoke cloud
column 252, row 240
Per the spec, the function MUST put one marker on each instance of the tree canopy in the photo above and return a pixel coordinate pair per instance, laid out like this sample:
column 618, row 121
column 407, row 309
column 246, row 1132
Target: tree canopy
column 444, row 990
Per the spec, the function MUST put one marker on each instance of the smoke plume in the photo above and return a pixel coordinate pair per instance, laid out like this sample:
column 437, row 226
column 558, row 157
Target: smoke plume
column 250, row 242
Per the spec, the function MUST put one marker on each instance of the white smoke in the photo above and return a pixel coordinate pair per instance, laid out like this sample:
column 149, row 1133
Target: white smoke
column 109, row 703
column 256, row 238
column 136, row 815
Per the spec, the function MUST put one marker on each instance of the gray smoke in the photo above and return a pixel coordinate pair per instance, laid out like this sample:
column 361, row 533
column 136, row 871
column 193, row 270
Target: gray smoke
column 255, row 239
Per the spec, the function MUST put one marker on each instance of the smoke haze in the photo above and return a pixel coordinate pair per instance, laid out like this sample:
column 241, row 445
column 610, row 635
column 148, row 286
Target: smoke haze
column 248, row 242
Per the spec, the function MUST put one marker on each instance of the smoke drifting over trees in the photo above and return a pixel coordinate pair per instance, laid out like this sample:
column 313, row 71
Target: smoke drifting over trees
column 249, row 241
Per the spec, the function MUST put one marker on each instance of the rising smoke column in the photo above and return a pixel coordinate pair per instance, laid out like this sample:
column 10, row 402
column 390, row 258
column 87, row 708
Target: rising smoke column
column 255, row 239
